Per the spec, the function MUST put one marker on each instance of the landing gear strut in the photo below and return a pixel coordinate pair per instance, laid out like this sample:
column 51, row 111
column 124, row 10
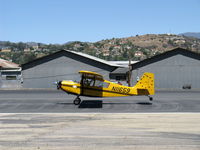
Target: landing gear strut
column 77, row 101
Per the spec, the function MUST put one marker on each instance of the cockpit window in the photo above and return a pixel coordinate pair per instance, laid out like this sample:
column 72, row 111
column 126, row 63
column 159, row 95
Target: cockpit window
column 88, row 82
column 91, row 81
column 98, row 83
column 105, row 84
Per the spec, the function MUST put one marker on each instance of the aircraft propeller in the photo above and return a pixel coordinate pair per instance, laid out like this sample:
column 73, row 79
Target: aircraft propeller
column 58, row 84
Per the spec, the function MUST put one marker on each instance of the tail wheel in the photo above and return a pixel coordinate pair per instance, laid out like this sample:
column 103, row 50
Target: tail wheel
column 150, row 98
column 77, row 101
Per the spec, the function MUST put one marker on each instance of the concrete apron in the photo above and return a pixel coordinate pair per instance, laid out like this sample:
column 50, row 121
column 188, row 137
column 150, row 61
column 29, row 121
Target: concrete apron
column 100, row 131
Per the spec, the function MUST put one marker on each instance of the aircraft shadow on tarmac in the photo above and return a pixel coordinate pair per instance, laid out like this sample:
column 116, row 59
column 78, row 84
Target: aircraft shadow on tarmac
column 86, row 104
column 91, row 104
column 99, row 104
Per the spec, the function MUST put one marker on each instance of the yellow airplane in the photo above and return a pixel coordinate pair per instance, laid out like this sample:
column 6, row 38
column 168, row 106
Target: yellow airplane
column 92, row 84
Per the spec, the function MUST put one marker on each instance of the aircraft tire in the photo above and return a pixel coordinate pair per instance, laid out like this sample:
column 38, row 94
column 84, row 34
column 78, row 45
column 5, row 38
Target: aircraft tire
column 151, row 98
column 77, row 101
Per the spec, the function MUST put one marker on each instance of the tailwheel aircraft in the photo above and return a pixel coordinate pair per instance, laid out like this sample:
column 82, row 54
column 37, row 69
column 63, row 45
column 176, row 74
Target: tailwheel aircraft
column 92, row 84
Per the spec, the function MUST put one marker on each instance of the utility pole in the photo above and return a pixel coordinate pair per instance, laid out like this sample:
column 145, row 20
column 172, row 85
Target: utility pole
column 129, row 68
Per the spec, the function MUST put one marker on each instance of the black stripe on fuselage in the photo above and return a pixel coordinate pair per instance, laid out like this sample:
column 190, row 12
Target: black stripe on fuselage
column 101, row 90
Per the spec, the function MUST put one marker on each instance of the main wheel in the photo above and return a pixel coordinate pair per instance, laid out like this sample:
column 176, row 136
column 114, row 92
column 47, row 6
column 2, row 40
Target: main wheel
column 77, row 101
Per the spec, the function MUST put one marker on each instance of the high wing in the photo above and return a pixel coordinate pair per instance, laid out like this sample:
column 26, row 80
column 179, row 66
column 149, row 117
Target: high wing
column 91, row 74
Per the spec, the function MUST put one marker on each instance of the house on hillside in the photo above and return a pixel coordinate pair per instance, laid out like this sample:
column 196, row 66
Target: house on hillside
column 6, row 50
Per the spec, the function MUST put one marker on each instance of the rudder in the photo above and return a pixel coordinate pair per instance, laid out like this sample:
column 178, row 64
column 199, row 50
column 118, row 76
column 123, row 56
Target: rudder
column 145, row 86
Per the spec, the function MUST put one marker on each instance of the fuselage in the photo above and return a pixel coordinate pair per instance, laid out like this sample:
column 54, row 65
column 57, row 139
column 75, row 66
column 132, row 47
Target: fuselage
column 103, row 89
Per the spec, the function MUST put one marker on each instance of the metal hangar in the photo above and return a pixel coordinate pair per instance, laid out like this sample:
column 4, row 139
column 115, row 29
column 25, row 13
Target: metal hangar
column 62, row 65
column 175, row 69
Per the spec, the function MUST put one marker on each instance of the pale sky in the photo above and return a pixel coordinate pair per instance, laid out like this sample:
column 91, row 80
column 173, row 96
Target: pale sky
column 60, row 21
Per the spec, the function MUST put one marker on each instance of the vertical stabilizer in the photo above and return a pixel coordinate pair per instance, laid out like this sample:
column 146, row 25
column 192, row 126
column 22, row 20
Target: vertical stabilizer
column 145, row 86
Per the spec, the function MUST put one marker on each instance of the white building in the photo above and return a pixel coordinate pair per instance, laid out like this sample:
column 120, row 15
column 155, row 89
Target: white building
column 10, row 74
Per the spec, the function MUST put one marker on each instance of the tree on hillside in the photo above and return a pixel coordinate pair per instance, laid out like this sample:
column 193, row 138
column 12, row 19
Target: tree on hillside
column 21, row 57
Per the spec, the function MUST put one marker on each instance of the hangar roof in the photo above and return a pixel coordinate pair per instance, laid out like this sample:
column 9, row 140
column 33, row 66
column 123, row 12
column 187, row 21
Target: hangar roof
column 72, row 54
column 7, row 64
column 158, row 58
column 122, row 63
column 94, row 58
column 165, row 55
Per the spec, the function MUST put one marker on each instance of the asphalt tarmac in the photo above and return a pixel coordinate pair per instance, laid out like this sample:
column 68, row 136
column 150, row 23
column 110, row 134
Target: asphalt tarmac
column 48, row 120
column 53, row 101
